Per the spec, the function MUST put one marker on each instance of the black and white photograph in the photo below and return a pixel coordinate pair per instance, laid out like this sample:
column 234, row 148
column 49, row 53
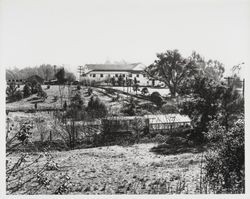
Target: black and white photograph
column 124, row 97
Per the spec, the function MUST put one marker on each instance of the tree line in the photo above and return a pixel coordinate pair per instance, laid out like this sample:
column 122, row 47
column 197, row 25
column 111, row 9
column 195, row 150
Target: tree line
column 45, row 71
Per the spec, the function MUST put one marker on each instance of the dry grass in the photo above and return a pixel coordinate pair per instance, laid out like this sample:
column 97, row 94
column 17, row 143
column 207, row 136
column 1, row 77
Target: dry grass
column 28, row 103
column 120, row 170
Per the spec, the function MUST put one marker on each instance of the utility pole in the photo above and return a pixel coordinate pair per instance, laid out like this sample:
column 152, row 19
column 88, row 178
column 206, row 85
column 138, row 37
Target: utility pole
column 238, row 68
column 54, row 71
column 80, row 69
column 228, row 80
column 243, row 88
column 243, row 84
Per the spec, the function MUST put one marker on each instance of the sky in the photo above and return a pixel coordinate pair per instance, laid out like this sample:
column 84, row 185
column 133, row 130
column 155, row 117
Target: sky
column 79, row 32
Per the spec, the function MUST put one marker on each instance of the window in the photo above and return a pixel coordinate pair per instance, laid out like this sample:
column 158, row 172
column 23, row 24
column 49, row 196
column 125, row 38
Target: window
column 101, row 75
column 93, row 75
column 138, row 81
column 137, row 75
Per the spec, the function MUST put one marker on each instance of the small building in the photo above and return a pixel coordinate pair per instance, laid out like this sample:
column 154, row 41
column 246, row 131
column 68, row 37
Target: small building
column 119, row 124
column 154, row 123
column 168, row 122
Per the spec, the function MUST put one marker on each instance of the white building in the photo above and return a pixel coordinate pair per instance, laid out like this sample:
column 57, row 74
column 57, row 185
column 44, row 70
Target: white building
column 104, row 72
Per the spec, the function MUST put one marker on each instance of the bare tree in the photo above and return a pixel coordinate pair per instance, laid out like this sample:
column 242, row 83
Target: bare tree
column 24, row 176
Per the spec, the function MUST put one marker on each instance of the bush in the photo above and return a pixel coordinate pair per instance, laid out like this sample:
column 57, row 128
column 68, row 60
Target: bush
column 77, row 101
column 36, row 88
column 144, row 91
column 130, row 107
column 55, row 98
column 42, row 94
column 225, row 169
column 27, row 90
column 169, row 109
column 157, row 99
column 159, row 138
column 90, row 91
column 18, row 95
column 96, row 109
column 12, row 93
column 11, row 89
column 78, row 87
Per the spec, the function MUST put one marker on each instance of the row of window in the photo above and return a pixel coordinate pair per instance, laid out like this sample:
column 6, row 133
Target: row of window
column 15, row 80
column 116, row 75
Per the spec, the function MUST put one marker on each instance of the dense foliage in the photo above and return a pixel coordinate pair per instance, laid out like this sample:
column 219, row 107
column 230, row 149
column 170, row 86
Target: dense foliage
column 172, row 69
column 96, row 108
column 225, row 170
column 45, row 71
column 156, row 98
column 129, row 108
column 13, row 93
column 204, row 102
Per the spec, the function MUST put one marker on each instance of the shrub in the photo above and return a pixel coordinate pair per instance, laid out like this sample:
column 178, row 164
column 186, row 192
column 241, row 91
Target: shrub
column 27, row 90
column 156, row 98
column 95, row 108
column 11, row 89
column 18, row 95
column 42, row 94
column 90, row 91
column 130, row 107
column 55, row 98
column 224, row 167
column 159, row 138
column 77, row 101
column 12, row 93
column 136, row 88
column 168, row 109
column 144, row 91
column 78, row 87
column 36, row 88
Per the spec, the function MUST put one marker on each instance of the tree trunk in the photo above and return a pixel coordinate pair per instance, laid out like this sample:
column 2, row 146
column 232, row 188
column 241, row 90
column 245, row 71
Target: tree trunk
column 172, row 91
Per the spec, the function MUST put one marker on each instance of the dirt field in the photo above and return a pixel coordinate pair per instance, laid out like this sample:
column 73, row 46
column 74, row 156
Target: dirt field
column 123, row 170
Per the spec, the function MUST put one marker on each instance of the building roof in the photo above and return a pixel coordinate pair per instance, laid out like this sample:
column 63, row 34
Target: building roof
column 157, row 119
column 122, row 118
column 112, row 67
column 168, row 118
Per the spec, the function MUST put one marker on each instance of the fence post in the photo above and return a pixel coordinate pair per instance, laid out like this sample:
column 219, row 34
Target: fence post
column 50, row 136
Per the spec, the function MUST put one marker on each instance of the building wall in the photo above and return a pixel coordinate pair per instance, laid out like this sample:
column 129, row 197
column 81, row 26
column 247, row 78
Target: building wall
column 104, row 75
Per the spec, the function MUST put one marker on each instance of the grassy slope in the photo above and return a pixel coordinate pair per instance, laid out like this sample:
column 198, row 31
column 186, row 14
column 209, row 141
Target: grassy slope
column 110, row 170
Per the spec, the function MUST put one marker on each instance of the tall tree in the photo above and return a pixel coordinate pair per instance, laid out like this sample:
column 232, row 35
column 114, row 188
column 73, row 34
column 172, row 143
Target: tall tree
column 204, row 103
column 46, row 71
column 172, row 69
column 60, row 75
column 211, row 69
